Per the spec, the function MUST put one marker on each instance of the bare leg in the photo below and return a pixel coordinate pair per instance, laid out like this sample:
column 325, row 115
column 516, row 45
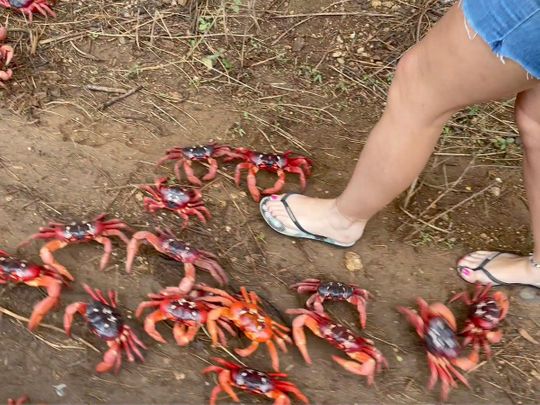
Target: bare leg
column 507, row 267
column 445, row 72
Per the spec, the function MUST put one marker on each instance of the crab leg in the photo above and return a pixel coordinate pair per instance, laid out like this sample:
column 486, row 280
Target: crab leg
column 280, row 398
column 278, row 185
column 107, row 247
column 183, row 335
column 135, row 242
column 150, row 324
column 248, row 350
column 252, row 183
column 133, row 341
column 299, row 335
column 187, row 282
column 177, row 166
column 46, row 255
column 147, row 304
column 71, row 310
column 224, row 379
column 7, row 54
column 214, row 394
column 360, row 304
column 54, row 287
column 111, row 358
column 301, row 175
column 212, row 171
column 116, row 232
column 367, row 368
column 211, row 323
column 273, row 354
column 215, row 270
column 190, row 175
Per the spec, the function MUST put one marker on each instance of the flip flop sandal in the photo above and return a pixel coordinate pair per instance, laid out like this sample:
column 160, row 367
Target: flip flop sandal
column 300, row 232
column 494, row 280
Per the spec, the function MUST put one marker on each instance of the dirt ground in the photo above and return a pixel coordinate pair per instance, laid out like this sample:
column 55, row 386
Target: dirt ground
column 270, row 75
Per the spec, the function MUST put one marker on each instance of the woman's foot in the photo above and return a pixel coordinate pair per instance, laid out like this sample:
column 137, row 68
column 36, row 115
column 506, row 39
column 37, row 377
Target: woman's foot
column 315, row 215
column 498, row 268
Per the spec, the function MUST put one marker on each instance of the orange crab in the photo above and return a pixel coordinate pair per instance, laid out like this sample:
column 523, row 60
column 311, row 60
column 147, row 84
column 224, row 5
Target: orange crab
column 436, row 325
column 250, row 318
column 188, row 312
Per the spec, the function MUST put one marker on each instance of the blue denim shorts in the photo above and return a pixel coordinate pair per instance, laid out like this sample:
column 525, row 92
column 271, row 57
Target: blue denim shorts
column 510, row 27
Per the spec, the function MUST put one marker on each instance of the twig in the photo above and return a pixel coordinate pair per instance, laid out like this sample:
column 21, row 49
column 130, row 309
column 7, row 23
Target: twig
column 46, row 325
column 104, row 89
column 459, row 204
column 119, row 98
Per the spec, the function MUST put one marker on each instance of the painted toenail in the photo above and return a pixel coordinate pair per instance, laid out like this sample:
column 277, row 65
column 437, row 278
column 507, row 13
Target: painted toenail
column 465, row 271
column 274, row 197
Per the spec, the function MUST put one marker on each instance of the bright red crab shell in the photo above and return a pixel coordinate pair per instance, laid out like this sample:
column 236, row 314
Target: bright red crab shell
column 271, row 385
column 182, row 201
column 100, row 229
column 180, row 251
column 30, row 7
column 188, row 312
column 6, row 54
column 366, row 361
column 279, row 163
column 486, row 311
column 185, row 155
column 19, row 271
column 106, row 322
column 436, row 325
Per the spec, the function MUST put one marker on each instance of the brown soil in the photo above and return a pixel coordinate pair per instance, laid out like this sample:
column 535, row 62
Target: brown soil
column 65, row 159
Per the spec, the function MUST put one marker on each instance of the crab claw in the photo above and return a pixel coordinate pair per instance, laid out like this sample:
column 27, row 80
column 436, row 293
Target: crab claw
column 6, row 53
column 111, row 358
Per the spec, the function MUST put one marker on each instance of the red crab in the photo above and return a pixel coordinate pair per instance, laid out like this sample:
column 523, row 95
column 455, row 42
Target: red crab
column 366, row 359
column 98, row 230
column 271, row 385
column 188, row 312
column 29, row 7
column 6, row 54
column 166, row 243
column 180, row 200
column 14, row 270
column 333, row 291
column 436, row 325
column 276, row 163
column 486, row 312
column 250, row 318
column 104, row 320
column 201, row 153
column 18, row 401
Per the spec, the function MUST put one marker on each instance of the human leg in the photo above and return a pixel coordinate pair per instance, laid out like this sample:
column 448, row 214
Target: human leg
column 509, row 268
column 443, row 73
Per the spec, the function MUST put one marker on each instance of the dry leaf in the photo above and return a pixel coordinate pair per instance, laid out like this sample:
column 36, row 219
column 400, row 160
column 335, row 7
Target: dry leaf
column 353, row 261
column 527, row 337
column 535, row 374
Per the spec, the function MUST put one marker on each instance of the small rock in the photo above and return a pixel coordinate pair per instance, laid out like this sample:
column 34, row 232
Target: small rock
column 179, row 376
column 376, row 3
column 353, row 262
column 337, row 54
column 495, row 191
column 341, row 61
column 298, row 44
